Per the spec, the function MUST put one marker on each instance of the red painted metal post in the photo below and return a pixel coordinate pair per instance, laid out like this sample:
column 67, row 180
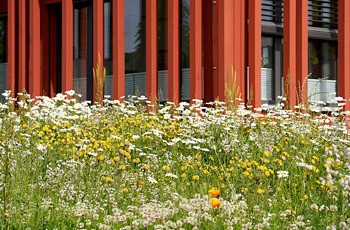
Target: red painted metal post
column 151, row 50
column 22, row 47
column 118, row 50
column 98, row 38
column 35, row 81
column 254, row 52
column 173, row 51
column 289, row 53
column 239, row 36
column 344, row 50
column 225, row 46
column 302, row 50
column 195, row 49
column 12, row 51
column 67, row 45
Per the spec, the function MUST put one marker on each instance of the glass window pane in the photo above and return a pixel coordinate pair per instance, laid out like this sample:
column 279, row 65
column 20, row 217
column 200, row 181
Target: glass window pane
column 108, row 47
column 135, row 47
column 322, row 65
column 3, row 56
column 266, row 68
column 80, row 52
column 162, row 50
column 185, row 49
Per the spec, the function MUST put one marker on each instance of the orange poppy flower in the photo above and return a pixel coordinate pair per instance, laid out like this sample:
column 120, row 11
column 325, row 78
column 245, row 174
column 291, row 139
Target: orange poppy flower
column 215, row 202
column 214, row 192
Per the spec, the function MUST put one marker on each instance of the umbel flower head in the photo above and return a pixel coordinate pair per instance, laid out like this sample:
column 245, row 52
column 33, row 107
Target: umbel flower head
column 215, row 202
column 214, row 192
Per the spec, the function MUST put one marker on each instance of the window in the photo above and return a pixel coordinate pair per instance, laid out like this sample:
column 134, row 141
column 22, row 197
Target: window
column 3, row 56
column 322, row 65
column 323, row 13
column 108, row 47
column 83, row 52
column 185, row 49
column 135, row 47
column 162, row 50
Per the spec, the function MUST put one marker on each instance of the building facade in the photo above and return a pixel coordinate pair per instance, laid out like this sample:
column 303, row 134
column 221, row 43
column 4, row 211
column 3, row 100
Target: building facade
column 178, row 50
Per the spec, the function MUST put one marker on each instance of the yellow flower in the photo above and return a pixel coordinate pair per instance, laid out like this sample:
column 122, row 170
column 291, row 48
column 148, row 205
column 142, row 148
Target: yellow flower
column 259, row 191
column 267, row 173
column 195, row 177
column 215, row 203
column 214, row 192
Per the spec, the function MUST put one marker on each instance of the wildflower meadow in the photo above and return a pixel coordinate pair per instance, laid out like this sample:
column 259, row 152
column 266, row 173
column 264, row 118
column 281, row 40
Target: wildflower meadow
column 65, row 164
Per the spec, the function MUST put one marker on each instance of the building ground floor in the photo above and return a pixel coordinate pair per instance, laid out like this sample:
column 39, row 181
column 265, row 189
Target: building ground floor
column 178, row 50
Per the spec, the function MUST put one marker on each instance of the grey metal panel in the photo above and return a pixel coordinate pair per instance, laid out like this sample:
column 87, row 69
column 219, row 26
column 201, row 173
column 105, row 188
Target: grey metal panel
column 109, row 85
column 3, row 78
column 322, row 90
column 271, row 28
column 163, row 85
column 323, row 33
column 79, row 85
column 185, row 87
column 129, row 86
column 140, row 83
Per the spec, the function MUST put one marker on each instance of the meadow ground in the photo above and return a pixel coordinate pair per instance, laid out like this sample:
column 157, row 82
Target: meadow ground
column 67, row 165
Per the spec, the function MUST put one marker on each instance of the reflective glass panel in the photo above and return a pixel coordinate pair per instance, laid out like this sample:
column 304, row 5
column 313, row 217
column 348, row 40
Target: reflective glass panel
column 3, row 56
column 322, row 65
column 108, row 47
column 135, row 47
column 162, row 50
column 185, row 49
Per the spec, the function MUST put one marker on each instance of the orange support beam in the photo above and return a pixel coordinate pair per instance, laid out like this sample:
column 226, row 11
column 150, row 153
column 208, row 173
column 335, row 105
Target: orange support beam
column 22, row 47
column 118, row 50
column 35, row 81
column 240, row 37
column 344, row 50
column 231, row 48
column 225, row 52
column 302, row 48
column 254, row 52
column 289, row 53
column 151, row 50
column 173, row 51
column 98, row 38
column 67, row 45
column 12, row 51
column 195, row 49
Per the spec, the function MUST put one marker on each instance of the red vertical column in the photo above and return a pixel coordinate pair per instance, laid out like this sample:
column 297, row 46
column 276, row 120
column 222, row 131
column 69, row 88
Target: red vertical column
column 195, row 49
column 344, row 50
column 289, row 53
column 45, row 47
column 98, row 38
column 35, row 81
column 254, row 52
column 151, row 50
column 67, row 45
column 118, row 49
column 22, row 46
column 225, row 52
column 173, row 51
column 12, row 21
column 302, row 49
